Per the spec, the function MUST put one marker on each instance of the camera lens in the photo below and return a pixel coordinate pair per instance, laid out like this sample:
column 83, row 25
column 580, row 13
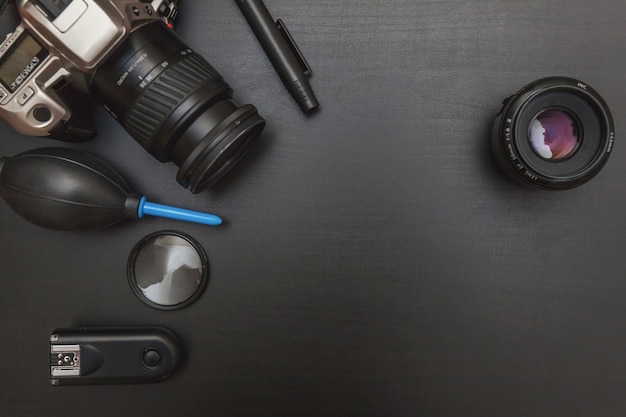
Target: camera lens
column 176, row 105
column 554, row 134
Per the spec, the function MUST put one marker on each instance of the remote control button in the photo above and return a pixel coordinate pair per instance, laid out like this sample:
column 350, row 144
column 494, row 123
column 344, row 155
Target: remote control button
column 151, row 358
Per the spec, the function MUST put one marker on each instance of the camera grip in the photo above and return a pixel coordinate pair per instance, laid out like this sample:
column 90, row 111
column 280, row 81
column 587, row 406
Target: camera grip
column 79, row 127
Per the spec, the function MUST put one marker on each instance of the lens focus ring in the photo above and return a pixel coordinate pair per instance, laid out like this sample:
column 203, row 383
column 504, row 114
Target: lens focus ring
column 163, row 95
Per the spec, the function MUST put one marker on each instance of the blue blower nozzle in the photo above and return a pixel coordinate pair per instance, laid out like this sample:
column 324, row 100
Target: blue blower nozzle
column 65, row 189
column 176, row 213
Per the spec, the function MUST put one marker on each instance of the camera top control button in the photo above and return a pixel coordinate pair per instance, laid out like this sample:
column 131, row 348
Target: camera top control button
column 42, row 114
column 25, row 95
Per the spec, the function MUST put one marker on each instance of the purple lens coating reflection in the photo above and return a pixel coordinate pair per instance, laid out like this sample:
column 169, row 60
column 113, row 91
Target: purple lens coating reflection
column 553, row 135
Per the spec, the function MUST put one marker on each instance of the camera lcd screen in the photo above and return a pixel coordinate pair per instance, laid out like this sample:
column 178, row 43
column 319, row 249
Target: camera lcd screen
column 17, row 65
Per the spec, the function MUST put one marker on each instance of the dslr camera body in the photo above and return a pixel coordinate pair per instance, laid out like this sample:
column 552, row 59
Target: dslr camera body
column 65, row 53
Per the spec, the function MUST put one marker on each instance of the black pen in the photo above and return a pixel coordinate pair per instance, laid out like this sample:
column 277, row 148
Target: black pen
column 282, row 52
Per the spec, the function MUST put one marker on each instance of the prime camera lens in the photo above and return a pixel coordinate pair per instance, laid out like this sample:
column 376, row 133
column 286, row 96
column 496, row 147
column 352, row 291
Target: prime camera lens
column 555, row 133
column 176, row 105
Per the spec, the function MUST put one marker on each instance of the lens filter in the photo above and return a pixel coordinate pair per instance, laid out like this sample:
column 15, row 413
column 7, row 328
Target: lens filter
column 168, row 270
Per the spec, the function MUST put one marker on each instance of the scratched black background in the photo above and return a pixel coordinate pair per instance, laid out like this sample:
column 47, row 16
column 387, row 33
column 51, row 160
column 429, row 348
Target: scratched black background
column 374, row 261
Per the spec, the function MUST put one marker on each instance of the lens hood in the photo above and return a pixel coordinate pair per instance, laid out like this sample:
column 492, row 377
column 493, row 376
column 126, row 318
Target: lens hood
column 554, row 134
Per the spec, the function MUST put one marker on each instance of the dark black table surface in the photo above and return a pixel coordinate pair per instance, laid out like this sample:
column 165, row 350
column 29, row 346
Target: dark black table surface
column 374, row 261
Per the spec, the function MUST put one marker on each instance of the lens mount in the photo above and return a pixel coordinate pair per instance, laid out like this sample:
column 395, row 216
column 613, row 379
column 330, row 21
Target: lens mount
column 554, row 134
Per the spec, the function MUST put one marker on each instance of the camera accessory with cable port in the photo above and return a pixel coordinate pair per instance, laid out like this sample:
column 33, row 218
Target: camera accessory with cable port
column 121, row 52
column 554, row 134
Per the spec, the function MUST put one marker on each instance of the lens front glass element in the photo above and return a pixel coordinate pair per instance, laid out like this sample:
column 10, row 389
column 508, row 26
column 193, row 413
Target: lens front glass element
column 554, row 135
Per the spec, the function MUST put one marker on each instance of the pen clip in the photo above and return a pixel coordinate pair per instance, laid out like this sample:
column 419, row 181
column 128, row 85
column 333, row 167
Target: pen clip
column 294, row 47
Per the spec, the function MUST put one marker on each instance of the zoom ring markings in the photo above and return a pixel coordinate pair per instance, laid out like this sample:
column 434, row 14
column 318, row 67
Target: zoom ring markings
column 164, row 94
